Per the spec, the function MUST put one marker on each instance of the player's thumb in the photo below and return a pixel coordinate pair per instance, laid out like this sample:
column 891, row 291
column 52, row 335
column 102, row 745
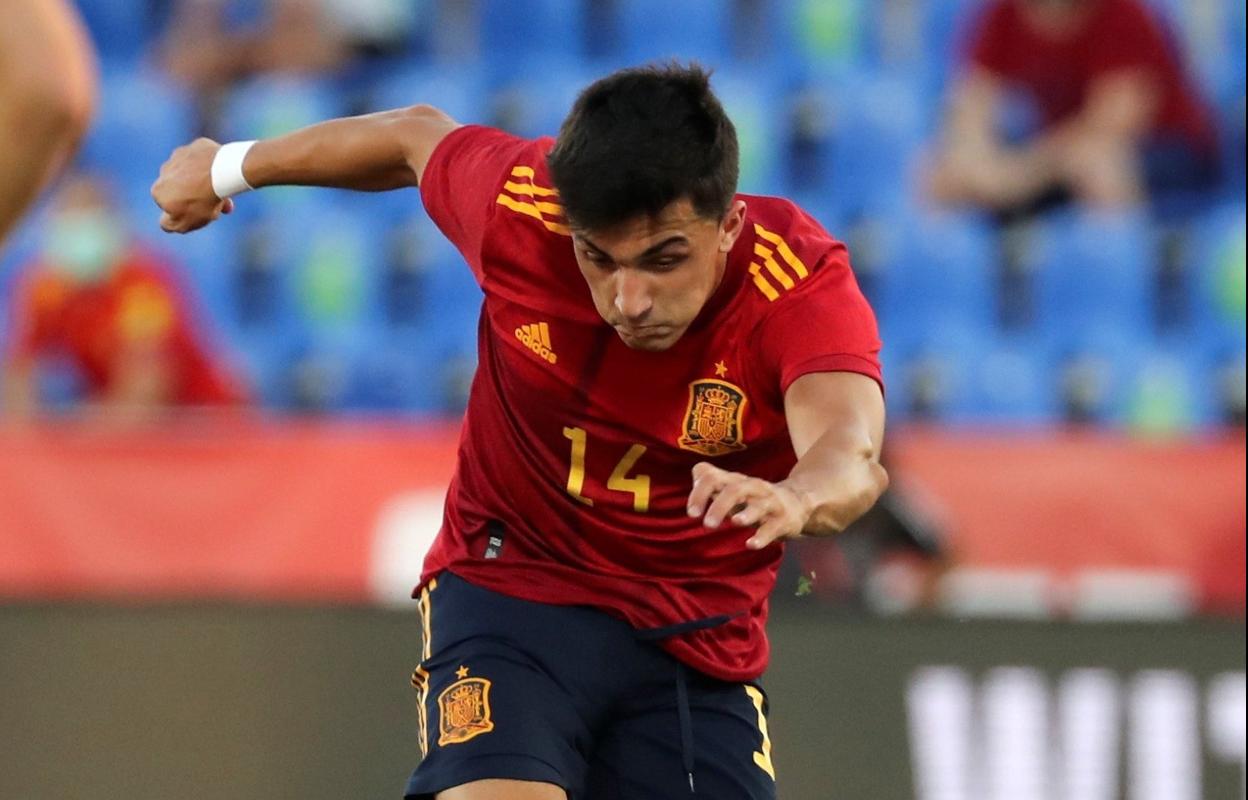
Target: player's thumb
column 227, row 206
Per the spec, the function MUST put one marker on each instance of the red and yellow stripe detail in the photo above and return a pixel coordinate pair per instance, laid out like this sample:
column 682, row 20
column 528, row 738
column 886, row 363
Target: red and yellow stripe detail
column 522, row 195
column 776, row 268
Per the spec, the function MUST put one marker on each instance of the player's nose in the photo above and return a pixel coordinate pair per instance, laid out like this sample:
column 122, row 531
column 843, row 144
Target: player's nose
column 632, row 295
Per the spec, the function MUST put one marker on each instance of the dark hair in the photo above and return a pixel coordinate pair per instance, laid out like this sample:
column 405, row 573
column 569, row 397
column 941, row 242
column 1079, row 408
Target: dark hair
column 640, row 139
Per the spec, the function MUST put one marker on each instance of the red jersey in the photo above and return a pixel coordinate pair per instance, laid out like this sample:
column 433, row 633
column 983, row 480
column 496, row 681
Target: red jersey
column 137, row 309
column 576, row 454
column 1118, row 35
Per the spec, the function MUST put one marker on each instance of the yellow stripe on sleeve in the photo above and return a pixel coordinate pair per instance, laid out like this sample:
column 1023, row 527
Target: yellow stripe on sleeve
column 530, row 189
column 783, row 248
column 769, row 261
column 522, row 171
column 531, row 210
column 762, row 283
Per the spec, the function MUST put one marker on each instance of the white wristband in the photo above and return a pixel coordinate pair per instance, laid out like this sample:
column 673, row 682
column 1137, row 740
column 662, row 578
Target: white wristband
column 227, row 170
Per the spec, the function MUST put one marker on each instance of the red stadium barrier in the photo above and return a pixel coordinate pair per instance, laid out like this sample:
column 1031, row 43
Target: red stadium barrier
column 342, row 510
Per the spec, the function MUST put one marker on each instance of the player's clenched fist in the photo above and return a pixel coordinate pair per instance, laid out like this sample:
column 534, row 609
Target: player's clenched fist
column 718, row 495
column 184, row 189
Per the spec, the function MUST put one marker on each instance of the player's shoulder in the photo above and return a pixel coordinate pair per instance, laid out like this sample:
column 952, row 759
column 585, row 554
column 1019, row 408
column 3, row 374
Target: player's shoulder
column 791, row 250
column 527, row 195
column 480, row 147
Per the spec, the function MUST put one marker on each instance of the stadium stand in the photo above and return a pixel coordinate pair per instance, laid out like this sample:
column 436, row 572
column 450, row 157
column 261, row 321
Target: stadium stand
column 350, row 304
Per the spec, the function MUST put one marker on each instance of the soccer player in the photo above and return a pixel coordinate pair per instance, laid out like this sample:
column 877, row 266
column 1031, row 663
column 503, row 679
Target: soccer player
column 674, row 379
column 47, row 95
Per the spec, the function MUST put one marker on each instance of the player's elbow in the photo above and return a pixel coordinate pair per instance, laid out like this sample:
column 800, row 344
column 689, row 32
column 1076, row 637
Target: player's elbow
column 423, row 128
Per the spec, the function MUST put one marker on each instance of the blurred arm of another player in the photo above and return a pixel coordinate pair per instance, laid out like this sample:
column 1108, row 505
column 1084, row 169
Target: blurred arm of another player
column 47, row 97
column 372, row 153
column 836, row 423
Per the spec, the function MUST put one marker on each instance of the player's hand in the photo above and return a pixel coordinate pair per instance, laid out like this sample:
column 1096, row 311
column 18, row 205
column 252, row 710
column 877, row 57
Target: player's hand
column 184, row 189
column 777, row 510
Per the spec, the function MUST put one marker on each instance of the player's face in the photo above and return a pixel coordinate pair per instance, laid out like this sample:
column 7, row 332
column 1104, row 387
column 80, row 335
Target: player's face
column 651, row 276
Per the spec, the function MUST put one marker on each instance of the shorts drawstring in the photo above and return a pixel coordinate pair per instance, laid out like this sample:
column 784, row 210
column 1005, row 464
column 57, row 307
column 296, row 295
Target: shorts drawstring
column 683, row 713
column 686, row 724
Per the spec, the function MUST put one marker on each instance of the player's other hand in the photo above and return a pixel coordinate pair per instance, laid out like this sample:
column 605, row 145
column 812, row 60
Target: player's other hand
column 184, row 189
column 775, row 509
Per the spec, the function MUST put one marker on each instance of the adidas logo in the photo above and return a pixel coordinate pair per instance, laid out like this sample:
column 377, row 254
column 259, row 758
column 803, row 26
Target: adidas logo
column 536, row 337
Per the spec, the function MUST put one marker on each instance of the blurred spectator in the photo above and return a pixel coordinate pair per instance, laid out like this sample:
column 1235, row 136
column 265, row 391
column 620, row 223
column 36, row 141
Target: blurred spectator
column 47, row 94
column 113, row 314
column 212, row 43
column 1117, row 118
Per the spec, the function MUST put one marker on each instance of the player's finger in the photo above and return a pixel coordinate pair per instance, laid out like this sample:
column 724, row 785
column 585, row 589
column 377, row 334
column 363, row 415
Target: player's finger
column 166, row 223
column 227, row 206
column 708, row 479
column 775, row 528
column 726, row 503
column 755, row 511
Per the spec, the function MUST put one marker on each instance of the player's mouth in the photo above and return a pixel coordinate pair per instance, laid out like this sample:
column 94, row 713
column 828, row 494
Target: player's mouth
column 643, row 333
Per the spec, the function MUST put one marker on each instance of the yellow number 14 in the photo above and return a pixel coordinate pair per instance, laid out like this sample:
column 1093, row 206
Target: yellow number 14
column 619, row 481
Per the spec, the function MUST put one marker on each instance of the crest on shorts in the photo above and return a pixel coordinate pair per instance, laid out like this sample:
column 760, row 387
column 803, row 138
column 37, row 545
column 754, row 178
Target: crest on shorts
column 713, row 419
column 464, row 709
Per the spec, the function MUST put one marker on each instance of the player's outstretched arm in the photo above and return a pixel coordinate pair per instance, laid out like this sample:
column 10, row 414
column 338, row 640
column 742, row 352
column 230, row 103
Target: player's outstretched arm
column 372, row 153
column 836, row 423
column 47, row 96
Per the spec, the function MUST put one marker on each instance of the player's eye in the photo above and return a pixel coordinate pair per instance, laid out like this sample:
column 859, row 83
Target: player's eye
column 668, row 262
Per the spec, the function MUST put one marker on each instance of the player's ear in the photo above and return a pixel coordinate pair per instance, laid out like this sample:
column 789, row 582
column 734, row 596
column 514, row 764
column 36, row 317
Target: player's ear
column 732, row 225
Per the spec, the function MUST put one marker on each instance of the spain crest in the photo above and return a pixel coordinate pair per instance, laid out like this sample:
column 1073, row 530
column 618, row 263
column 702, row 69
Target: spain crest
column 713, row 419
column 464, row 710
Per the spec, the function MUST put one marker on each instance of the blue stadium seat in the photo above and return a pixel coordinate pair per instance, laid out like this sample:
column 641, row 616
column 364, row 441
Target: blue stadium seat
column 399, row 374
column 935, row 376
column 1218, row 267
column 760, row 124
column 1015, row 383
column 514, row 31
column 878, row 126
column 459, row 92
column 532, row 100
column 204, row 259
column 946, row 28
column 120, row 29
column 820, row 40
column 1096, row 275
column 141, row 118
column 418, row 274
column 272, row 105
column 699, row 30
column 1168, row 392
column 936, row 274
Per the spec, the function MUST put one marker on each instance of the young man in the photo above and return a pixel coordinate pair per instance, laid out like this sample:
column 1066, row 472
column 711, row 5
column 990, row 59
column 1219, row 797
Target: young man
column 673, row 380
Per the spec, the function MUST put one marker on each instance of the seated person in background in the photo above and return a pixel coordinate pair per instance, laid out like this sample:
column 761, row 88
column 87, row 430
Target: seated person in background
column 117, row 314
column 203, row 49
column 1118, row 119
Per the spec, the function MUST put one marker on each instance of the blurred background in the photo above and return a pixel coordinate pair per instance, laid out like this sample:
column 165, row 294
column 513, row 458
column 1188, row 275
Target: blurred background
column 222, row 456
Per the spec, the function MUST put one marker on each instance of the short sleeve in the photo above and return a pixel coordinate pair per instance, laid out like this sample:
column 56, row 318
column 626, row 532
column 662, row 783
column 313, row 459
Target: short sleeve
column 826, row 326
column 461, row 183
column 1129, row 38
column 988, row 43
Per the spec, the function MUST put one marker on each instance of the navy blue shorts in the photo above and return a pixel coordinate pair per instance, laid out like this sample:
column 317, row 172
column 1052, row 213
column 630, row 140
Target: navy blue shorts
column 569, row 695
